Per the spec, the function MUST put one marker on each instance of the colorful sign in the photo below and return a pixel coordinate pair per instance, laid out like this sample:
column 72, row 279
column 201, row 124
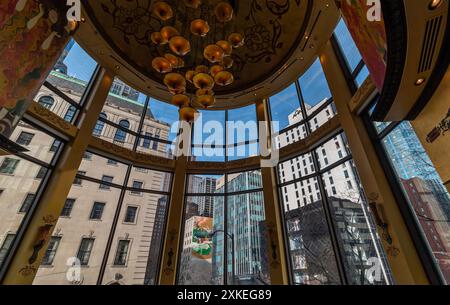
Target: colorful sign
column 201, row 239
column 369, row 35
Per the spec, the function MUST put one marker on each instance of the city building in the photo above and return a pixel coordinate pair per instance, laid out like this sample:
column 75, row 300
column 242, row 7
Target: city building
column 224, row 143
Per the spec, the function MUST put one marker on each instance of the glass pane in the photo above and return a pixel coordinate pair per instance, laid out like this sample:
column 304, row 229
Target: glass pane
column 291, row 136
column 148, row 179
column 310, row 249
column 18, row 188
column 424, row 189
column 293, row 169
column 243, row 151
column 138, row 265
column 97, row 167
column 209, row 137
column 364, row 257
column 245, row 181
column 285, row 108
column 73, row 230
column 332, row 151
column 201, row 260
column 117, row 136
column 314, row 87
column 323, row 116
column 348, row 45
column 362, row 75
column 70, row 75
column 242, row 125
column 205, row 184
column 247, row 249
column 41, row 146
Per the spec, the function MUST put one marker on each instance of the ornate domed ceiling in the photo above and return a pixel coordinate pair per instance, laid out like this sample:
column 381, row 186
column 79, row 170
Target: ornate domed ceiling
column 281, row 40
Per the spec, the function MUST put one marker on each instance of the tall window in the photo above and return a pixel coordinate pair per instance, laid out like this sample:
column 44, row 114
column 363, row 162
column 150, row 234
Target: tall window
column 27, row 203
column 6, row 245
column 84, row 252
column 130, row 215
column 122, row 253
column 46, row 101
column 98, row 129
column 68, row 206
column 51, row 251
column 107, row 179
column 423, row 190
column 25, row 138
column 121, row 135
column 97, row 211
column 70, row 114
column 9, row 166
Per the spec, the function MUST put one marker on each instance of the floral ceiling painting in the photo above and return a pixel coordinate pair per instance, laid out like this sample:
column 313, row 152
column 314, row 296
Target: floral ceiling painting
column 272, row 30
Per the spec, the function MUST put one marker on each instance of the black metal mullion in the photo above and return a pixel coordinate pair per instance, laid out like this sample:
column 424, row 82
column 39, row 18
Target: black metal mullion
column 113, row 227
column 225, row 232
column 141, row 123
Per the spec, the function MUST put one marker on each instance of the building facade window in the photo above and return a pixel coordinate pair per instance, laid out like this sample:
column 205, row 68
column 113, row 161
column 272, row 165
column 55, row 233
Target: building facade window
column 9, row 166
column 122, row 253
column 67, row 208
column 121, row 135
column 84, row 252
column 130, row 215
column 97, row 211
column 49, row 255
column 46, row 101
column 27, row 202
column 98, row 129
column 6, row 245
column 107, row 179
column 25, row 138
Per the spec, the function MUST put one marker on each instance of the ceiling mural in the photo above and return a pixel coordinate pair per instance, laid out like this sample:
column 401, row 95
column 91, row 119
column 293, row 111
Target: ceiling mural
column 272, row 29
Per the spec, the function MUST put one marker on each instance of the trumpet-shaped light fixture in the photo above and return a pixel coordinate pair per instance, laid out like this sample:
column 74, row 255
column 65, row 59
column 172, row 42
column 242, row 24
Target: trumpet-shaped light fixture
column 213, row 53
column 158, row 39
column 190, row 76
column 226, row 47
column 199, row 27
column 162, row 65
column 188, row 114
column 224, row 78
column 203, row 81
column 215, row 69
column 227, row 62
column 206, row 100
column 180, row 100
column 201, row 69
column 180, row 45
column 168, row 32
column 236, row 40
column 175, row 81
column 175, row 61
column 162, row 10
column 223, row 12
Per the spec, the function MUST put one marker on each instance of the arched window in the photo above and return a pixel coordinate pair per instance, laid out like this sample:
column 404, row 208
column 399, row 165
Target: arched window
column 46, row 101
column 121, row 134
column 100, row 124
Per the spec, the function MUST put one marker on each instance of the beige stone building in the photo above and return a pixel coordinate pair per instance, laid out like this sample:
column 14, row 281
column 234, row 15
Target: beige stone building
column 85, row 227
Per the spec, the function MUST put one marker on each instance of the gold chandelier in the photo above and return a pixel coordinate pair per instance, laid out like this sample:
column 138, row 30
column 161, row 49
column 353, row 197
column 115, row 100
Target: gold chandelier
column 194, row 83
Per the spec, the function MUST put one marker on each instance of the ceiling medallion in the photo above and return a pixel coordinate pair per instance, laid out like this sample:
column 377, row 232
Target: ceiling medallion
column 209, row 58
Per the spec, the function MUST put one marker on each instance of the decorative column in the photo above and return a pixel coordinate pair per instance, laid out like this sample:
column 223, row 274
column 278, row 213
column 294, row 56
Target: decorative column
column 274, row 224
column 32, row 37
column 171, row 246
column 401, row 252
column 30, row 252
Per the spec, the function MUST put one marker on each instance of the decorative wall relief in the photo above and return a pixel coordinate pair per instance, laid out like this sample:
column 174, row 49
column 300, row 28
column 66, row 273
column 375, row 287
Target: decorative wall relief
column 33, row 34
